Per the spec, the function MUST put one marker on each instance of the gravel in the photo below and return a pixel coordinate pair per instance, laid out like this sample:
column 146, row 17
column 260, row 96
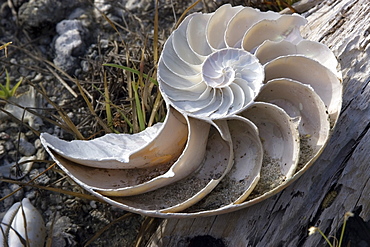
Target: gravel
column 66, row 33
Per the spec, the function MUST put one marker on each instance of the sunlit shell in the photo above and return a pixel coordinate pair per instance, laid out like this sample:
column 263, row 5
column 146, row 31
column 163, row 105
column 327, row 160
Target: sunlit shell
column 22, row 223
column 251, row 106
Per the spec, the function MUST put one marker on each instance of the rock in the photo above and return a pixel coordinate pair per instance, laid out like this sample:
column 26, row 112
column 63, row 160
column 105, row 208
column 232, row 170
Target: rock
column 26, row 148
column 8, row 201
column 132, row 4
column 9, row 145
column 69, row 45
column 67, row 25
column 93, row 204
column 42, row 179
column 41, row 154
column 61, row 236
column 37, row 143
column 4, row 136
column 38, row 14
column 19, row 194
column 2, row 150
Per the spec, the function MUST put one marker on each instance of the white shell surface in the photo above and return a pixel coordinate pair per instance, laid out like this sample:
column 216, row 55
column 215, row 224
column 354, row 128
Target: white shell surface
column 270, row 50
column 276, row 128
column 131, row 181
column 154, row 145
column 295, row 98
column 251, row 105
column 308, row 71
column 23, row 220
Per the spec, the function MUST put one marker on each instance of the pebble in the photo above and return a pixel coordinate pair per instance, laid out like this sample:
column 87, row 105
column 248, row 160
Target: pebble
column 61, row 236
column 69, row 45
column 9, row 145
column 138, row 4
column 26, row 148
column 2, row 150
column 85, row 66
column 93, row 204
column 4, row 136
column 37, row 143
column 40, row 154
column 39, row 77
column 8, row 202
column 31, row 194
column 43, row 13
column 68, row 25
column 18, row 196
column 42, row 179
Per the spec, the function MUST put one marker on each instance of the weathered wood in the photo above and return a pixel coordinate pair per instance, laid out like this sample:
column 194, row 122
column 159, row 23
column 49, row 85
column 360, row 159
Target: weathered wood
column 341, row 173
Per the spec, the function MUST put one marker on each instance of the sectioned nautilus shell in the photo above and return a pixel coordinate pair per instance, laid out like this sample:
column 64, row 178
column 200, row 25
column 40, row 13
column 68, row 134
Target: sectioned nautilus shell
column 251, row 105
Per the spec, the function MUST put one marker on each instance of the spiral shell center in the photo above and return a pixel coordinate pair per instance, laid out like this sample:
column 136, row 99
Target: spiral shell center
column 229, row 65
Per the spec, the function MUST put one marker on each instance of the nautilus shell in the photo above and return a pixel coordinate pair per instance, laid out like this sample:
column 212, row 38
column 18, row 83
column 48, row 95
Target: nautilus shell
column 251, row 105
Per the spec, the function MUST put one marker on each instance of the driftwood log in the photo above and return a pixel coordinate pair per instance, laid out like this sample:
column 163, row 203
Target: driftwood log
column 338, row 182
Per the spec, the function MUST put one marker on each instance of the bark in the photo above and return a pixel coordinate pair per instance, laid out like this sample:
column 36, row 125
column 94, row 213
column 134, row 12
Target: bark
column 339, row 180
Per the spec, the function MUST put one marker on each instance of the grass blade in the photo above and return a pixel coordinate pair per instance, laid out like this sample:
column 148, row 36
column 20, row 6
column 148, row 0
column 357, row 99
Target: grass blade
column 107, row 102
column 155, row 35
column 91, row 108
column 185, row 13
column 138, row 107
column 134, row 71
column 66, row 192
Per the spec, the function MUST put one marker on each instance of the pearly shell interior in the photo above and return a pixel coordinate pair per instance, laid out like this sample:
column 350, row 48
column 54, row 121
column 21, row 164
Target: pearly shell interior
column 251, row 106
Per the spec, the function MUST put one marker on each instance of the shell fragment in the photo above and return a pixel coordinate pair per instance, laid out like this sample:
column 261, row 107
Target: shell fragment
column 21, row 224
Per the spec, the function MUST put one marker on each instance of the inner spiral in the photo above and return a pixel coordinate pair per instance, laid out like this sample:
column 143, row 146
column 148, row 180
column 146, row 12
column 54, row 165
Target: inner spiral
column 228, row 65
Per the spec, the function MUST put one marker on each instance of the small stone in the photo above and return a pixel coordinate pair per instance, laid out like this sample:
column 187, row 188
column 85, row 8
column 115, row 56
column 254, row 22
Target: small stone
column 4, row 136
column 40, row 154
column 135, row 4
column 44, row 13
column 69, row 45
column 2, row 150
column 9, row 145
column 26, row 148
column 85, row 66
column 31, row 194
column 42, row 179
column 93, row 204
column 29, row 134
column 104, row 43
column 38, row 143
column 18, row 196
column 61, row 232
column 68, row 25
column 37, row 78
column 8, row 201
